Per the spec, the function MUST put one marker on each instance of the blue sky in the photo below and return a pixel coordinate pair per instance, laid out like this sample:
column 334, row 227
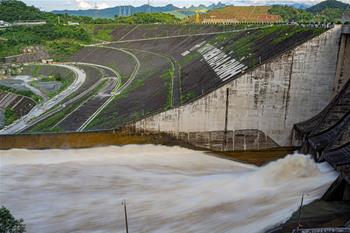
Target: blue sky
column 49, row 5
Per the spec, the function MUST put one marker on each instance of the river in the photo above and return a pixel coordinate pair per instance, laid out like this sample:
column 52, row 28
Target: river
column 167, row 189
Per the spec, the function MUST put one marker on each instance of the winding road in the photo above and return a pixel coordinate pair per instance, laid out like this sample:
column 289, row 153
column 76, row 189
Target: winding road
column 44, row 107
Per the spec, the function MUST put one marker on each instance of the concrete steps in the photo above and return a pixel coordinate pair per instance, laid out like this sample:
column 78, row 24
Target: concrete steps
column 327, row 137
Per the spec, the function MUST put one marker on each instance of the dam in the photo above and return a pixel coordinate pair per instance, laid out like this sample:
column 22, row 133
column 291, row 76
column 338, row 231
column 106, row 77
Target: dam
column 297, row 98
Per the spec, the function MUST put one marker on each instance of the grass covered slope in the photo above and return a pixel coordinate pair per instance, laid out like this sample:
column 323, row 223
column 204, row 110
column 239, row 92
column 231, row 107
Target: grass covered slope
column 115, row 32
column 188, row 74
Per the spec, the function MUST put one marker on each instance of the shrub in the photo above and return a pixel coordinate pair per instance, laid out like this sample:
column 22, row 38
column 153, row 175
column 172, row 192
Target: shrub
column 8, row 224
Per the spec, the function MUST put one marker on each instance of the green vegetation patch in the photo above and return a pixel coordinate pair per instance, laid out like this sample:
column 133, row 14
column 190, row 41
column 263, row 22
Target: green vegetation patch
column 148, row 18
column 62, row 49
column 8, row 223
column 29, row 94
column 189, row 58
column 100, row 31
column 10, row 116
column 326, row 11
column 52, row 36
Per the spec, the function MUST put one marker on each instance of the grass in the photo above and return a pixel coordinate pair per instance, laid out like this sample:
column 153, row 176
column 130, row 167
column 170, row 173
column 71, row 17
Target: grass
column 65, row 82
column 100, row 31
column 188, row 96
column 10, row 116
column 168, row 76
column 29, row 94
column 62, row 49
column 189, row 58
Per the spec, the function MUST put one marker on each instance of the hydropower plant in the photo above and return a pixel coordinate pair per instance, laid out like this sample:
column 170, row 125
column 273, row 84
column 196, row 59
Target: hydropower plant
column 297, row 98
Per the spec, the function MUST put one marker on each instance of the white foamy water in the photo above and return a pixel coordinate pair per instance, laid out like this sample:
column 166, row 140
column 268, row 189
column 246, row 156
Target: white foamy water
column 167, row 189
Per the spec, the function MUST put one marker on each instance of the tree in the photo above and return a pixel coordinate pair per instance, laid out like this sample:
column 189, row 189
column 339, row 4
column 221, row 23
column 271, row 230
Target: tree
column 8, row 224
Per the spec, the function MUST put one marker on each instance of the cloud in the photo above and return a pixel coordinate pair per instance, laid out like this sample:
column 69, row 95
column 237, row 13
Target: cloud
column 82, row 4
column 102, row 5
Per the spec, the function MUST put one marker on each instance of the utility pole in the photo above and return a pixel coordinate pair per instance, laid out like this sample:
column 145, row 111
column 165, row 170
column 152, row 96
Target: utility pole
column 299, row 217
column 125, row 217
column 226, row 119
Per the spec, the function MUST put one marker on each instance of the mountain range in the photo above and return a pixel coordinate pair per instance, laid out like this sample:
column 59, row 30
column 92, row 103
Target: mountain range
column 128, row 10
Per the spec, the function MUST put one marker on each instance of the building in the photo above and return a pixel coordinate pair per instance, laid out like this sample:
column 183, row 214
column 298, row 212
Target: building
column 4, row 23
column 70, row 23
column 29, row 23
column 47, row 61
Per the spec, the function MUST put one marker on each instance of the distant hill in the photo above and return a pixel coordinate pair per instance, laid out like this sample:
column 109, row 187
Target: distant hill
column 331, row 10
column 130, row 10
column 12, row 10
column 329, row 4
column 241, row 14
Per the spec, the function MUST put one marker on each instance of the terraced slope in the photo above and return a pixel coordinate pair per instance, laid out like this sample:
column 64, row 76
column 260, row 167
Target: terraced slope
column 19, row 105
column 242, row 14
column 111, row 32
column 117, row 60
column 149, row 92
column 196, row 65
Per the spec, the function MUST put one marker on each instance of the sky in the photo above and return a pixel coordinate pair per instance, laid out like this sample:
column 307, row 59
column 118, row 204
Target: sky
column 49, row 5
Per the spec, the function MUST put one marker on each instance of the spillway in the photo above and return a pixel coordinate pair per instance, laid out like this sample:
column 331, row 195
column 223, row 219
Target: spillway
column 167, row 189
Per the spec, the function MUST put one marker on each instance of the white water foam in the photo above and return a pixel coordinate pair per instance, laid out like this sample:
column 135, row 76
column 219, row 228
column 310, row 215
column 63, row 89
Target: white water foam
column 167, row 189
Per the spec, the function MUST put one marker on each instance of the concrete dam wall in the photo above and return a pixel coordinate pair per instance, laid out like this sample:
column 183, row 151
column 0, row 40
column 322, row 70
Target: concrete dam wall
column 258, row 109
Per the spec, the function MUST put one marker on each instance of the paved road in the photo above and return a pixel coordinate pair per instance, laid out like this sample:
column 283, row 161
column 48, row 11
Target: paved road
column 41, row 108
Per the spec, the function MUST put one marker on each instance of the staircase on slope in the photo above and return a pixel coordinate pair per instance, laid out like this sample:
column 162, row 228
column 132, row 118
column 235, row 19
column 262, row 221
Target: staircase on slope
column 321, row 131
column 327, row 137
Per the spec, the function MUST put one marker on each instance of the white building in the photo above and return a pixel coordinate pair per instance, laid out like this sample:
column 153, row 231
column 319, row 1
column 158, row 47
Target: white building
column 70, row 23
column 4, row 23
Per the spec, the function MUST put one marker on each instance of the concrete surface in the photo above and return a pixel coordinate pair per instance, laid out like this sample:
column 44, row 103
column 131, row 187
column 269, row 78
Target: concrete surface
column 269, row 99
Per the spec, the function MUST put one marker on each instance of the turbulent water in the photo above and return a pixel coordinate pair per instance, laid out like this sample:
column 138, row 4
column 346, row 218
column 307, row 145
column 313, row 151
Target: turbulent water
column 167, row 189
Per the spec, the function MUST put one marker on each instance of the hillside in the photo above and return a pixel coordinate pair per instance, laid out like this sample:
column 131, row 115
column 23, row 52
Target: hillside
column 330, row 10
column 59, row 40
column 241, row 14
column 328, row 4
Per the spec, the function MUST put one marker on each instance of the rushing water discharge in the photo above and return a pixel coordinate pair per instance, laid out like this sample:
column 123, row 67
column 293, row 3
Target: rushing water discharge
column 167, row 189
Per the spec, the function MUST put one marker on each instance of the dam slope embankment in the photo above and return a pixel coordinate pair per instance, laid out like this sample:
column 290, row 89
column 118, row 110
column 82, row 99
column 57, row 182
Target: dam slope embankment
column 258, row 109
